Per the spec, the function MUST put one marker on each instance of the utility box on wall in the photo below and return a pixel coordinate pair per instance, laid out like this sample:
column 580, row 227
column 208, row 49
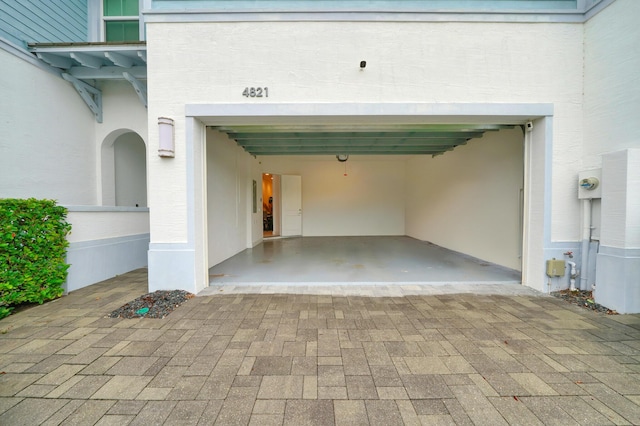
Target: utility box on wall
column 555, row 268
column 590, row 184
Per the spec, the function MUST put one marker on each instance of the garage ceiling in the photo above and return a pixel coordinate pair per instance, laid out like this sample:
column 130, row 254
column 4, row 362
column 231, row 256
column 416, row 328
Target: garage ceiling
column 406, row 139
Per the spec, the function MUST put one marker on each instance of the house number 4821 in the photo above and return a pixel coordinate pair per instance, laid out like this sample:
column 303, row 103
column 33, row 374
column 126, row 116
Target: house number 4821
column 255, row 92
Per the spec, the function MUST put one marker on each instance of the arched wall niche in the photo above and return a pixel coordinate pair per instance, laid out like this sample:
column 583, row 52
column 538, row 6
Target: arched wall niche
column 124, row 169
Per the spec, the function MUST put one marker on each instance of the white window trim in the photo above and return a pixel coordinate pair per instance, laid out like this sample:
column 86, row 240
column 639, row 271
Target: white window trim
column 96, row 25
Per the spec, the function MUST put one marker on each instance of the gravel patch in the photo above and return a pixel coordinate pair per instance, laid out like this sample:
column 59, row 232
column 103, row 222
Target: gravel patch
column 583, row 299
column 158, row 304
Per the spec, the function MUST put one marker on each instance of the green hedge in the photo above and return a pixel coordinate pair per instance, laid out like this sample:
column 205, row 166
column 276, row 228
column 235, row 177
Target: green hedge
column 33, row 247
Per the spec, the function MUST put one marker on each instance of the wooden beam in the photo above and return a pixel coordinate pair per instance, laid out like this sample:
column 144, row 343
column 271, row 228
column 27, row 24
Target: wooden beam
column 87, row 60
column 107, row 73
column 138, row 86
column 56, row 60
column 119, row 59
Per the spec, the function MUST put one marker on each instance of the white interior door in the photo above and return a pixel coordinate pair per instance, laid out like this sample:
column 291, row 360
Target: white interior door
column 291, row 187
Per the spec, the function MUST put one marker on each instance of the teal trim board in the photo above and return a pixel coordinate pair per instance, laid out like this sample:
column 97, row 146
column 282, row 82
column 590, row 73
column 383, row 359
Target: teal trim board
column 375, row 5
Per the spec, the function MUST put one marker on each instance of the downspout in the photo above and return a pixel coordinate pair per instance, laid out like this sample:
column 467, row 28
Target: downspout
column 586, row 239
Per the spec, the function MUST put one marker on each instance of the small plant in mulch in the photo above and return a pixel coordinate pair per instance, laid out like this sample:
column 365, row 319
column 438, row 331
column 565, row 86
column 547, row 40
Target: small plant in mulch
column 158, row 304
column 584, row 299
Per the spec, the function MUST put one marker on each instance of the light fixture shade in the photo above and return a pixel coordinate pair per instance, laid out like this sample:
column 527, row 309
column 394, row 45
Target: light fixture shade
column 166, row 143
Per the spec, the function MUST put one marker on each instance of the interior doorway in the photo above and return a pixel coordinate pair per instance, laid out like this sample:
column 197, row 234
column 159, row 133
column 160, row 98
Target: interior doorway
column 270, row 199
column 281, row 205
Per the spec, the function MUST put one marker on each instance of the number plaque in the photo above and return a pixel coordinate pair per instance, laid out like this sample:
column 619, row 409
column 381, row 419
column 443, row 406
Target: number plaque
column 255, row 92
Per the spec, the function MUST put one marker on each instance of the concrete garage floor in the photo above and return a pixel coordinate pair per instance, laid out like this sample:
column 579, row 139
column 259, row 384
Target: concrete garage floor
column 353, row 261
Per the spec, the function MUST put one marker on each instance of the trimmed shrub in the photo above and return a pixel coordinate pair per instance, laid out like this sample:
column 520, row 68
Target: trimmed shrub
column 33, row 247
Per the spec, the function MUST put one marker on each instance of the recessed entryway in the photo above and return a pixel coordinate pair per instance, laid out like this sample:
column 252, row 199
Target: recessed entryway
column 229, row 170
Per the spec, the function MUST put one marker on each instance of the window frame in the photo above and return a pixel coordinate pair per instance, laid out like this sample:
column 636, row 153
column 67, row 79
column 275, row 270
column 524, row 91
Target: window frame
column 102, row 21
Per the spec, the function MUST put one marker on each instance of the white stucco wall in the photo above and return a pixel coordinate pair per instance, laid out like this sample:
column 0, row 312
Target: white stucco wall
column 611, row 81
column 51, row 147
column 121, row 109
column 406, row 62
column 368, row 201
column 47, row 150
column 105, row 242
column 91, row 224
column 618, row 261
column 229, row 192
column 621, row 200
column 469, row 200
column 611, row 108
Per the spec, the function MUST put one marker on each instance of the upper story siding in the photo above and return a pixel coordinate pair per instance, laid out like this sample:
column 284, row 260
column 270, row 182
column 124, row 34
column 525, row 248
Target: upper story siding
column 43, row 21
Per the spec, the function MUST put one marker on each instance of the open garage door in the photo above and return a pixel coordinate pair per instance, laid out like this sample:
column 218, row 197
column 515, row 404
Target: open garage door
column 456, row 186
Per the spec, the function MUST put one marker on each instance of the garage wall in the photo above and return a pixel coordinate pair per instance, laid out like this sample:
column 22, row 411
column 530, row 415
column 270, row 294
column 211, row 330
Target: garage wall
column 47, row 151
column 229, row 192
column 468, row 200
column 368, row 201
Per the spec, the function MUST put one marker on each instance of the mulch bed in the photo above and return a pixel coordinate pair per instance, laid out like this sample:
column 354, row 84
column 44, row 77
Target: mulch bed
column 158, row 304
column 583, row 299
column 161, row 303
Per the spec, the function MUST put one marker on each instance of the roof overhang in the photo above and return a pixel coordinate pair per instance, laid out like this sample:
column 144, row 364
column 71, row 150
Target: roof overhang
column 85, row 64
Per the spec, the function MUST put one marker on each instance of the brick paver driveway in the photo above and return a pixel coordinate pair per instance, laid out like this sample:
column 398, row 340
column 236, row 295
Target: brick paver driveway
column 318, row 359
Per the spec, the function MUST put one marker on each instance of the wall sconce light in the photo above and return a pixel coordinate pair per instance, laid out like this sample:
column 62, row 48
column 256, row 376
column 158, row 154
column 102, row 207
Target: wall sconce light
column 166, row 142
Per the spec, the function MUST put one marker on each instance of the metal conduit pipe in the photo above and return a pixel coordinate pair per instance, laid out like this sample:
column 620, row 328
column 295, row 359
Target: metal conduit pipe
column 586, row 239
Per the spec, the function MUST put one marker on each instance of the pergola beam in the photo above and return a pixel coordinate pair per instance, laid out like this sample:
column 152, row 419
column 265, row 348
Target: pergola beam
column 119, row 59
column 87, row 60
